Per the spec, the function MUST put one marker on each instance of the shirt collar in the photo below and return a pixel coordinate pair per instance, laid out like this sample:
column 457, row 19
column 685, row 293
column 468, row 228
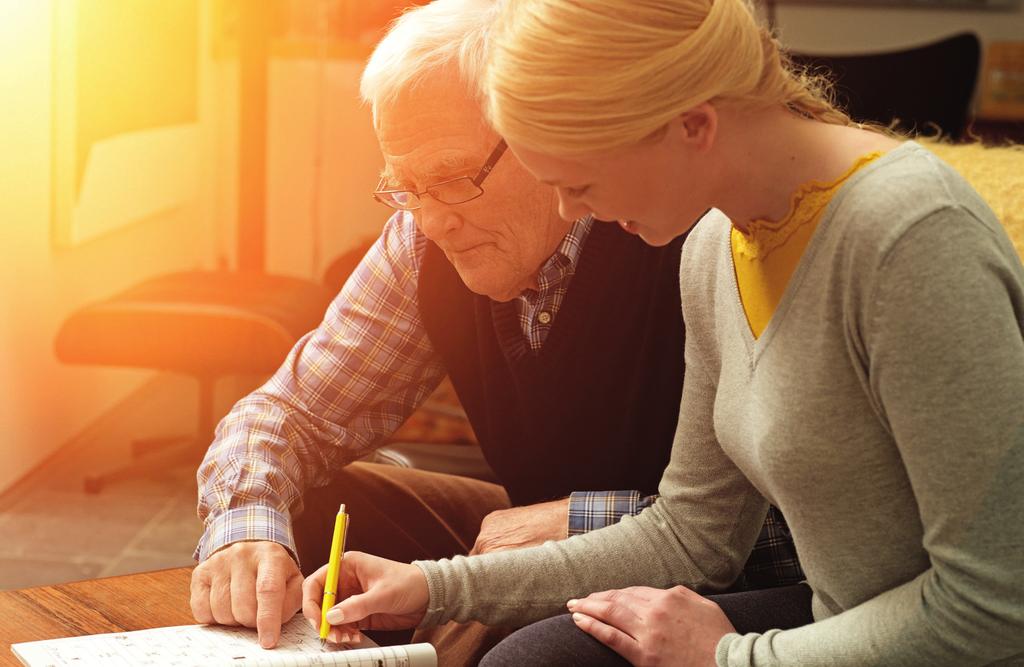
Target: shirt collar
column 562, row 264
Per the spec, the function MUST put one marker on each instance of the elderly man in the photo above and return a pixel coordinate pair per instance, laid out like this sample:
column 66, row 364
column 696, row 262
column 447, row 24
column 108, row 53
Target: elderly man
column 563, row 340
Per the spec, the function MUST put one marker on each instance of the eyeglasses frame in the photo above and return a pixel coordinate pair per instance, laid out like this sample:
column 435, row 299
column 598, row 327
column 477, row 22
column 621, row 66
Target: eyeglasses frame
column 477, row 181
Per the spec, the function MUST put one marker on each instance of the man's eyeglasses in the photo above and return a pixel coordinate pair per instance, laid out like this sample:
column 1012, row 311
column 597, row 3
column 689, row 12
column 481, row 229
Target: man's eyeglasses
column 453, row 191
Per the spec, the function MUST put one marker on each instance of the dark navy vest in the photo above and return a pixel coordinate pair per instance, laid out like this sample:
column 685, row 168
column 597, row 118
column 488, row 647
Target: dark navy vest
column 596, row 407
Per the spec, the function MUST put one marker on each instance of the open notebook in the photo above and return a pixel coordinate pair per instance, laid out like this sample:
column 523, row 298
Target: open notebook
column 209, row 645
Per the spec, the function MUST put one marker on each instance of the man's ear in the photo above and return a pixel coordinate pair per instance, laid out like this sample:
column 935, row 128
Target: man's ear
column 696, row 128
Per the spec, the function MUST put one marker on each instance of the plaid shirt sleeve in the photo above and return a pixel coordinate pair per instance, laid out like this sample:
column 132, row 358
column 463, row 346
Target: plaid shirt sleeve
column 343, row 388
column 591, row 510
column 773, row 561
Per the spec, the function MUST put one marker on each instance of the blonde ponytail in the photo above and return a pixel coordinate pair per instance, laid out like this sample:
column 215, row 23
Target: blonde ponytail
column 577, row 76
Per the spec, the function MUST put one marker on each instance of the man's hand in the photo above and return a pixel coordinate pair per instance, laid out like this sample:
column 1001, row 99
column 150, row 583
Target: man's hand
column 649, row 626
column 375, row 593
column 255, row 584
column 523, row 526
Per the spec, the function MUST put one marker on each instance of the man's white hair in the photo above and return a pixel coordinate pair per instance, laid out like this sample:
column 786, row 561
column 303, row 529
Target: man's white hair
column 425, row 40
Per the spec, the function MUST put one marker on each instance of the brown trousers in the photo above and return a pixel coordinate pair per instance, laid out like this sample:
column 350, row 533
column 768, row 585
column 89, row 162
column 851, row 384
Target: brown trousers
column 405, row 515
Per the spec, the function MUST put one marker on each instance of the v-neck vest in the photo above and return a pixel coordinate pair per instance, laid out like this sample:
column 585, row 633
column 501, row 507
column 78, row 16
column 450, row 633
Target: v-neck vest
column 596, row 407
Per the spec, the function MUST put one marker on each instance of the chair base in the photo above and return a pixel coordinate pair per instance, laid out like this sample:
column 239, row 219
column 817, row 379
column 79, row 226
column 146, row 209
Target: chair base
column 153, row 456
column 145, row 446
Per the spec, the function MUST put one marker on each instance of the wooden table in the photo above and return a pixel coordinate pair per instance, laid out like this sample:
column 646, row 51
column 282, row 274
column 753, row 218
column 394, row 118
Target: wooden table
column 115, row 604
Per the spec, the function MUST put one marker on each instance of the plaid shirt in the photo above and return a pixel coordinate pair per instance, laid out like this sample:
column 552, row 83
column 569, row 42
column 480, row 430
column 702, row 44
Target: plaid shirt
column 343, row 389
column 349, row 384
column 773, row 561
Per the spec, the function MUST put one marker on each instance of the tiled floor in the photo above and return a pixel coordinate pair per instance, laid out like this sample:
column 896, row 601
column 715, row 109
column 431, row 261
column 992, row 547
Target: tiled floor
column 52, row 531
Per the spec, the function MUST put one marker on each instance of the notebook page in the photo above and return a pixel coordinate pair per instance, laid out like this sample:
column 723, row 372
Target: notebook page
column 202, row 645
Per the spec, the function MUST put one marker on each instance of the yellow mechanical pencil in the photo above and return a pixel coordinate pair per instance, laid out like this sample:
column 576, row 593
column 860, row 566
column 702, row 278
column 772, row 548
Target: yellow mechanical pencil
column 333, row 569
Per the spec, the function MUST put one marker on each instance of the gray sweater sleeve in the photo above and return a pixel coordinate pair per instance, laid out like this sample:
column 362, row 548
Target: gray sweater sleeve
column 943, row 335
column 698, row 533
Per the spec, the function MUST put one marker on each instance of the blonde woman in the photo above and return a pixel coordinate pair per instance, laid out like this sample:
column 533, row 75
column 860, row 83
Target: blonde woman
column 855, row 356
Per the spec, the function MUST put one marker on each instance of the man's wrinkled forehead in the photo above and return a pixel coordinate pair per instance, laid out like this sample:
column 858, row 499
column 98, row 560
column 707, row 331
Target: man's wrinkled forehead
column 424, row 142
column 434, row 156
column 437, row 167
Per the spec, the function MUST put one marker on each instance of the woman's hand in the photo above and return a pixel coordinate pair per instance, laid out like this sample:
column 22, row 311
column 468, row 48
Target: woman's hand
column 375, row 594
column 650, row 626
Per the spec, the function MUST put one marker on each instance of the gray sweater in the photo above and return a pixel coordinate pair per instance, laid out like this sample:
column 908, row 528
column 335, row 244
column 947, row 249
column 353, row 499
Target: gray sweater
column 882, row 410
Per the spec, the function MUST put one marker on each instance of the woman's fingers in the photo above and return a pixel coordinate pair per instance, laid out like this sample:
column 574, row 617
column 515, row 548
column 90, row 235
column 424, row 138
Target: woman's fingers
column 610, row 636
column 620, row 608
column 343, row 634
column 649, row 626
column 353, row 609
column 645, row 593
column 313, row 595
column 375, row 592
column 313, row 585
column 311, row 612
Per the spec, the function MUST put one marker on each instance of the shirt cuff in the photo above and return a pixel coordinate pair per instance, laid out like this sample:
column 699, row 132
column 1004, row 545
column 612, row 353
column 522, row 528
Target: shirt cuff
column 591, row 510
column 246, row 524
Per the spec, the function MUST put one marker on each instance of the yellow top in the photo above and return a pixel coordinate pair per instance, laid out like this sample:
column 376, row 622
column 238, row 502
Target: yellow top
column 767, row 254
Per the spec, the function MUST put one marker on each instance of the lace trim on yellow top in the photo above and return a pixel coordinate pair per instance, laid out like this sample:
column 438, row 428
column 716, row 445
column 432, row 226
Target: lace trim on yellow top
column 765, row 260
column 805, row 206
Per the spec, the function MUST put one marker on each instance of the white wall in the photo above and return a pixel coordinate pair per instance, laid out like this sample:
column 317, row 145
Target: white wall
column 841, row 29
column 316, row 105
column 42, row 402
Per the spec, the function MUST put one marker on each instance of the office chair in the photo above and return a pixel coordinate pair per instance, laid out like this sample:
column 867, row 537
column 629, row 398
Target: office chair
column 206, row 324
column 922, row 88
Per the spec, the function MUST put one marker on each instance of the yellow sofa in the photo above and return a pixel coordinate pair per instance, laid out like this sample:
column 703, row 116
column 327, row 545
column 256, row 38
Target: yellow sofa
column 997, row 173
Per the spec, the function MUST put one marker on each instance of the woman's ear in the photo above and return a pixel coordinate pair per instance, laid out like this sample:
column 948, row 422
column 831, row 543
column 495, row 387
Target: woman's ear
column 696, row 128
